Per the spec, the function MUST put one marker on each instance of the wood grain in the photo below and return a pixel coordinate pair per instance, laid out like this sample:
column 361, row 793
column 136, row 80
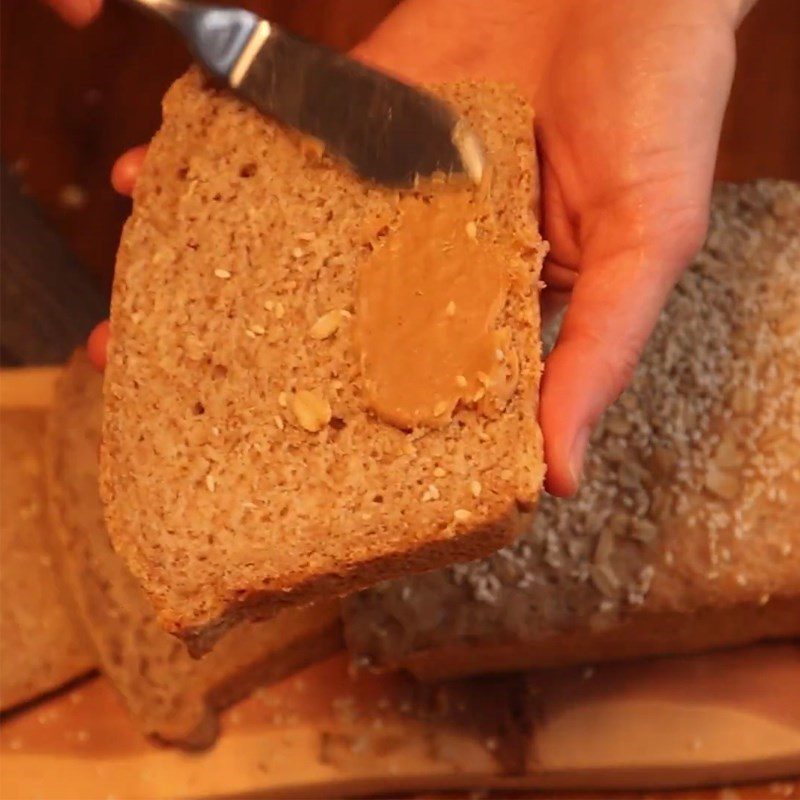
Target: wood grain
column 663, row 723
column 28, row 387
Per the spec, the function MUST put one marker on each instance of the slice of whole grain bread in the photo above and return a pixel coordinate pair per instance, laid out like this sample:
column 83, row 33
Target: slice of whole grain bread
column 685, row 534
column 241, row 238
column 170, row 694
column 42, row 642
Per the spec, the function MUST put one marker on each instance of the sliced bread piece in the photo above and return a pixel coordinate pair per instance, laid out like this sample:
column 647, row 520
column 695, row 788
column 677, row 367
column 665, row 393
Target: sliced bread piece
column 170, row 694
column 685, row 534
column 241, row 470
column 42, row 642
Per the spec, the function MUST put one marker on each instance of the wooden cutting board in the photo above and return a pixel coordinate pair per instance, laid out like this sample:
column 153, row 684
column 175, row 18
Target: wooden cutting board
column 27, row 387
column 716, row 718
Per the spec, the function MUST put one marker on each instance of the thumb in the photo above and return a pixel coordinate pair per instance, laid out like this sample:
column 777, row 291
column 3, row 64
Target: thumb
column 614, row 307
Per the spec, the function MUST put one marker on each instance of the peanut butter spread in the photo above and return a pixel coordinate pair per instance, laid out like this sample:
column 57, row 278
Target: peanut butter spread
column 429, row 299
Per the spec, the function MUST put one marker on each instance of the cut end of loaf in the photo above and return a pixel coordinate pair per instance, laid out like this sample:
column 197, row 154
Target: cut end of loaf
column 225, row 500
column 44, row 644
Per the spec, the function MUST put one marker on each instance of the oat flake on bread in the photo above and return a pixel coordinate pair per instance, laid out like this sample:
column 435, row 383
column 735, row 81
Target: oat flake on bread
column 241, row 471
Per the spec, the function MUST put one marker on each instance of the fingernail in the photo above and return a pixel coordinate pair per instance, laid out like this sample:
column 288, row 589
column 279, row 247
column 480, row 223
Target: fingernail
column 577, row 454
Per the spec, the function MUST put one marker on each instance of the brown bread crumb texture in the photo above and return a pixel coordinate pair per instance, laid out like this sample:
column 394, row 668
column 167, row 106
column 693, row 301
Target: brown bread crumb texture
column 42, row 642
column 240, row 471
column 170, row 694
column 686, row 531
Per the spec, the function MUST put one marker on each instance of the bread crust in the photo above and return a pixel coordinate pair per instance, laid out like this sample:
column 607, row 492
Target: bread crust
column 648, row 634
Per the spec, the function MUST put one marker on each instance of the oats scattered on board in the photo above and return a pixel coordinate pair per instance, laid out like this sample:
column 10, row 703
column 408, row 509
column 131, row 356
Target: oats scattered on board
column 312, row 411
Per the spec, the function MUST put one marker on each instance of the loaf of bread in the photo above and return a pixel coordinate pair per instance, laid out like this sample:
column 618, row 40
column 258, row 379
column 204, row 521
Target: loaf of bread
column 241, row 470
column 42, row 643
column 685, row 534
column 169, row 694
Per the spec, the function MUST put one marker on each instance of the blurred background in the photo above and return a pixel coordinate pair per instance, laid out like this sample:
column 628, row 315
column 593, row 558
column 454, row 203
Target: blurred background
column 74, row 100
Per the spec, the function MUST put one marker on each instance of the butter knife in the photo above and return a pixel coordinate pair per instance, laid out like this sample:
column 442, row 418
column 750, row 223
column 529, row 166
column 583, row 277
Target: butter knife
column 386, row 130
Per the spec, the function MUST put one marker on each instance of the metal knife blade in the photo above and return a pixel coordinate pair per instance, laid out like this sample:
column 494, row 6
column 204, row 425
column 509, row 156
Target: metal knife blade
column 386, row 130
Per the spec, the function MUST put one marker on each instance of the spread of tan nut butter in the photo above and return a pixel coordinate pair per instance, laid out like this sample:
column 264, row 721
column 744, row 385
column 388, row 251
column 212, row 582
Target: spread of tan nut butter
column 429, row 298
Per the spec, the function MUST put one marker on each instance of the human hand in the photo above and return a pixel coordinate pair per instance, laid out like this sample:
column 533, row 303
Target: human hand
column 629, row 100
column 76, row 12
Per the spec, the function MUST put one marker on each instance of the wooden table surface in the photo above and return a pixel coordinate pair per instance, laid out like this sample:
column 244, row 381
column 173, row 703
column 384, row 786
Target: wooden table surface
column 330, row 732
